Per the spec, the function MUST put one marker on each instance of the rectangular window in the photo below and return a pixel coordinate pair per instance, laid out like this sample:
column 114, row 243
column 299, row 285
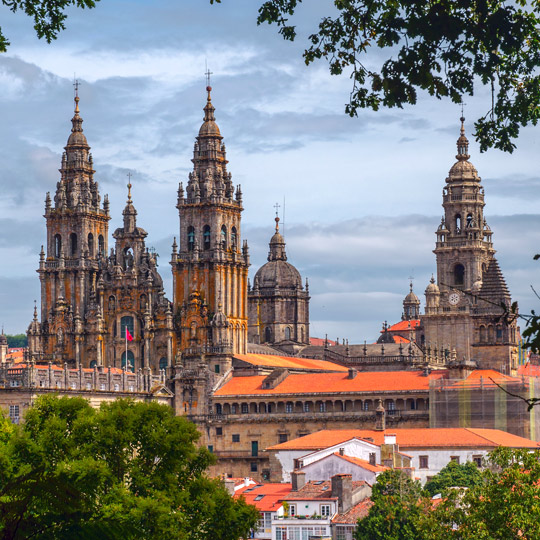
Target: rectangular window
column 254, row 448
column 423, row 462
column 245, row 408
column 288, row 407
column 253, row 466
column 267, row 520
column 294, row 533
column 283, row 437
column 14, row 413
column 102, row 386
column 130, row 388
column 233, row 408
column 216, row 368
column 236, row 437
column 116, row 387
column 455, row 459
column 477, row 460
column 322, row 406
column 325, row 510
column 292, row 509
column 219, row 431
column 306, row 407
column 211, row 448
column 281, row 533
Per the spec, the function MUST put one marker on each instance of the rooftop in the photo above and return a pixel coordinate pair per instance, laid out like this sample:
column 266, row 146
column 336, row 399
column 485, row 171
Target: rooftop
column 265, row 497
column 267, row 360
column 358, row 511
column 319, row 490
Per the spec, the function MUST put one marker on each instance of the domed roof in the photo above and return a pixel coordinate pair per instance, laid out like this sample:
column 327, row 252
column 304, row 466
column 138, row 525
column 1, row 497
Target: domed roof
column 209, row 126
column 277, row 272
column 463, row 169
column 432, row 288
column 411, row 298
column 77, row 137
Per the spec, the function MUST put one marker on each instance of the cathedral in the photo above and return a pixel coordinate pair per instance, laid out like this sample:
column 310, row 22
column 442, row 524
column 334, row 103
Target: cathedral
column 237, row 357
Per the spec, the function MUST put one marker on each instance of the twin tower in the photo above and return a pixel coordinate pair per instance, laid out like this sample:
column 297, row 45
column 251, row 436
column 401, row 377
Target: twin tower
column 102, row 307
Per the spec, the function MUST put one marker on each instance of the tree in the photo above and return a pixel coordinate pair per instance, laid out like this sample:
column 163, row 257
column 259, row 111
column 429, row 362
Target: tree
column 129, row 470
column 454, row 475
column 447, row 48
column 48, row 16
column 505, row 505
column 17, row 340
column 397, row 505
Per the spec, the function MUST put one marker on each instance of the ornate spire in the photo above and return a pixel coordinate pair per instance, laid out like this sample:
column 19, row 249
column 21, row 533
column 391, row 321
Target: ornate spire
column 277, row 245
column 462, row 143
column 129, row 213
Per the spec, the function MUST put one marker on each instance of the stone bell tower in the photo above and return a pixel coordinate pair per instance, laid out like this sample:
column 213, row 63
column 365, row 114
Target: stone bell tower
column 468, row 309
column 77, row 229
column 210, row 264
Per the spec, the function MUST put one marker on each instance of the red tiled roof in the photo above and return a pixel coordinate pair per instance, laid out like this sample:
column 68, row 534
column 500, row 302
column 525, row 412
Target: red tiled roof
column 400, row 339
column 319, row 342
column 404, row 325
column 272, row 495
column 529, row 370
column 411, row 438
column 289, row 362
column 358, row 511
column 485, row 377
column 362, row 463
column 328, row 383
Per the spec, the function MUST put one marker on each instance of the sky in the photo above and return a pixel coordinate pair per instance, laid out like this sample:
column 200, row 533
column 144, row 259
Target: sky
column 360, row 198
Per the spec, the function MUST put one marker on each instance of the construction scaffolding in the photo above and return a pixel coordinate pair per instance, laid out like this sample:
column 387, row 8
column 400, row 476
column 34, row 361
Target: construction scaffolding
column 497, row 403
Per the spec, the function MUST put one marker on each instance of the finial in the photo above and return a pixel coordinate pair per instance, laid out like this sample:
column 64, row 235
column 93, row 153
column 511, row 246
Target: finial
column 207, row 75
column 76, row 85
column 432, row 280
column 35, row 313
column 411, row 283
column 129, row 175
column 462, row 142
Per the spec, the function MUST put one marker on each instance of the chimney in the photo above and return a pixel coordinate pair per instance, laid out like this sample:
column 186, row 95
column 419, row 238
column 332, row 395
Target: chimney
column 381, row 417
column 391, row 438
column 342, row 489
column 229, row 485
column 372, row 458
column 342, row 451
column 352, row 373
column 298, row 480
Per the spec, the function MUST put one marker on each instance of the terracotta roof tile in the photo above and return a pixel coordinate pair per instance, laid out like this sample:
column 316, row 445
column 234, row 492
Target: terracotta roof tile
column 404, row 325
column 362, row 463
column 358, row 511
column 272, row 495
column 411, row 438
column 268, row 360
column 328, row 383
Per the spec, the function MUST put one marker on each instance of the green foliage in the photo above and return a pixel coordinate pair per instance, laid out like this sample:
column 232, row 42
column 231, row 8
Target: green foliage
column 444, row 47
column 454, row 475
column 129, row 470
column 48, row 16
column 505, row 505
column 16, row 341
column 396, row 509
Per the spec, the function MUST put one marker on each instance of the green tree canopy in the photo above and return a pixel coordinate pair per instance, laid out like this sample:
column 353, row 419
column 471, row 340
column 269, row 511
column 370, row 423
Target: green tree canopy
column 48, row 16
column 396, row 506
column 129, row 470
column 506, row 505
column 17, row 340
column 454, row 475
column 447, row 48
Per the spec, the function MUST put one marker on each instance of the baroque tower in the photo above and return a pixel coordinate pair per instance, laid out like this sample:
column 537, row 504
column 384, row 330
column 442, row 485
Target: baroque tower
column 468, row 308
column 278, row 304
column 77, row 228
column 210, row 265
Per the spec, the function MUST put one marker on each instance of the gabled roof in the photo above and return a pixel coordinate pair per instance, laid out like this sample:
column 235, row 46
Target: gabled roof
column 330, row 383
column 358, row 511
column 265, row 497
column 361, row 463
column 289, row 362
column 494, row 287
column 320, row 490
column 411, row 438
column 485, row 378
column 402, row 326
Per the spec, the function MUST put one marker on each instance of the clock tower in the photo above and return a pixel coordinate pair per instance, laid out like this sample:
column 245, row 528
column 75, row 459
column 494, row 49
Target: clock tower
column 468, row 308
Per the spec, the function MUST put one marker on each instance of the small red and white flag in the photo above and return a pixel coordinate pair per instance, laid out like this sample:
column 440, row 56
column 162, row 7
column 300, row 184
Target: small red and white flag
column 129, row 337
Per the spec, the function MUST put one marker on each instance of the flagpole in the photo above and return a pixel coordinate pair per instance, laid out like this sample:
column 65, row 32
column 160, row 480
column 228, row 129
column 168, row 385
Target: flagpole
column 125, row 336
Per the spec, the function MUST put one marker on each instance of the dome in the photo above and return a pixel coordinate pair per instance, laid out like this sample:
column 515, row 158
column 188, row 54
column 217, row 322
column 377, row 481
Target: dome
column 277, row 273
column 463, row 170
column 411, row 298
column 209, row 127
column 77, row 138
column 432, row 288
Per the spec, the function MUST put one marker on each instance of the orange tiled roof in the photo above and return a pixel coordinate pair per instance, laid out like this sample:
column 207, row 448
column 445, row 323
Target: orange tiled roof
column 400, row 339
column 404, row 325
column 529, row 370
column 411, row 438
column 289, row 362
column 329, row 383
column 319, row 342
column 358, row 511
column 484, row 377
column 362, row 463
column 15, row 355
column 272, row 495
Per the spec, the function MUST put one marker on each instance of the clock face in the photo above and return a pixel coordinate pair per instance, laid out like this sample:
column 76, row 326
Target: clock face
column 453, row 298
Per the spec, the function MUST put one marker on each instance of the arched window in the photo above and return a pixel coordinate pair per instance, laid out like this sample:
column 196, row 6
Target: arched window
column 233, row 237
column 57, row 245
column 482, row 334
column 162, row 363
column 301, row 335
column 459, row 274
column 130, row 366
column 267, row 335
column 93, row 363
column 126, row 322
column 112, row 303
column 73, row 243
column 458, row 223
column 219, row 409
column 287, row 333
column 101, row 245
column 142, row 302
column 223, row 237
column 190, row 238
column 469, row 220
column 206, row 237
column 91, row 245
